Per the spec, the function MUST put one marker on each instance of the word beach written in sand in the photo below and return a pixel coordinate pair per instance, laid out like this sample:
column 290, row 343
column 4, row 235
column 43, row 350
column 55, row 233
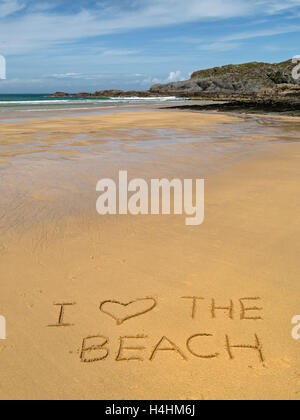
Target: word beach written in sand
column 202, row 345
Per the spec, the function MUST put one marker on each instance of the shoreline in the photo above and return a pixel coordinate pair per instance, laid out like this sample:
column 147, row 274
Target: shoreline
column 32, row 112
column 239, row 106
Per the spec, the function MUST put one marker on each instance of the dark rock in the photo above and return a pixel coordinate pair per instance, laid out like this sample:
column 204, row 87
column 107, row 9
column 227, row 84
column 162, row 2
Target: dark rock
column 108, row 93
column 113, row 93
column 59, row 95
column 247, row 107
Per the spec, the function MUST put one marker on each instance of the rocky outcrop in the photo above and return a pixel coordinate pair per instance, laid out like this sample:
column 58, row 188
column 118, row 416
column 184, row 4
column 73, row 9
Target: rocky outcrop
column 244, row 80
column 109, row 94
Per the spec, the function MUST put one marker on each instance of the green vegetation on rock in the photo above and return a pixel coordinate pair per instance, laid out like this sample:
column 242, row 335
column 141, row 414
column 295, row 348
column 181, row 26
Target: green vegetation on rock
column 242, row 79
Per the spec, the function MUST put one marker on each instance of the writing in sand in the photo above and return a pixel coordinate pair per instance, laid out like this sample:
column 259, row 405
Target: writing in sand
column 203, row 344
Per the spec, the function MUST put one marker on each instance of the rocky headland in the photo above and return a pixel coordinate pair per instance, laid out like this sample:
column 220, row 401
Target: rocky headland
column 243, row 79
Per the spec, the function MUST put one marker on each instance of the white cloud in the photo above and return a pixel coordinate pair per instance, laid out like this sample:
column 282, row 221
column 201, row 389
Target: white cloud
column 276, row 6
column 230, row 42
column 66, row 76
column 39, row 29
column 219, row 46
column 120, row 52
column 80, row 76
column 175, row 76
column 39, row 6
column 8, row 7
column 283, row 29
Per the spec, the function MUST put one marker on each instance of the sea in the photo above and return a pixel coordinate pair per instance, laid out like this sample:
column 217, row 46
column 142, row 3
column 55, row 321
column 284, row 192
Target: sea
column 44, row 102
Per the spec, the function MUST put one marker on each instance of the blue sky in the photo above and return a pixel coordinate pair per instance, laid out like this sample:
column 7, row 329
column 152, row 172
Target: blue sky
column 86, row 45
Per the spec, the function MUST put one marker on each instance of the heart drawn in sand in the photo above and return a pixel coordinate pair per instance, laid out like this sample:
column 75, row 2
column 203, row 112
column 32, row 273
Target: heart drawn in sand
column 122, row 312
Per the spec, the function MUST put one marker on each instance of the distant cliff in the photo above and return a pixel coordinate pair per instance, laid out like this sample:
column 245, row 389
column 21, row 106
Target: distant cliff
column 251, row 79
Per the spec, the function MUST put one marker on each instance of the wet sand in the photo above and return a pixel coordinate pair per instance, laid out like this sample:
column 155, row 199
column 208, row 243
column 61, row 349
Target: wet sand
column 172, row 341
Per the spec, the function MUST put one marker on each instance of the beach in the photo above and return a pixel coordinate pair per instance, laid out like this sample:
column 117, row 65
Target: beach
column 135, row 307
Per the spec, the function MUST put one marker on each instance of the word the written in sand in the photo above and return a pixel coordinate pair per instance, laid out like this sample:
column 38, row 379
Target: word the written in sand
column 2, row 328
column 115, row 200
column 247, row 308
column 296, row 329
column 244, row 309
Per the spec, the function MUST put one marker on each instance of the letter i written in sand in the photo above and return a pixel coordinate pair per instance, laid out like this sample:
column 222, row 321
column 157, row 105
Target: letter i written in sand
column 61, row 318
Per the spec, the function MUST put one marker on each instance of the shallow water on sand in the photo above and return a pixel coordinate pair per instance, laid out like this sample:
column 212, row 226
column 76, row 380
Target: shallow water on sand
column 57, row 162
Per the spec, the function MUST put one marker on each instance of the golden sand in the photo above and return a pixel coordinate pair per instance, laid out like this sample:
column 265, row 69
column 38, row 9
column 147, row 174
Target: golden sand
column 148, row 288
